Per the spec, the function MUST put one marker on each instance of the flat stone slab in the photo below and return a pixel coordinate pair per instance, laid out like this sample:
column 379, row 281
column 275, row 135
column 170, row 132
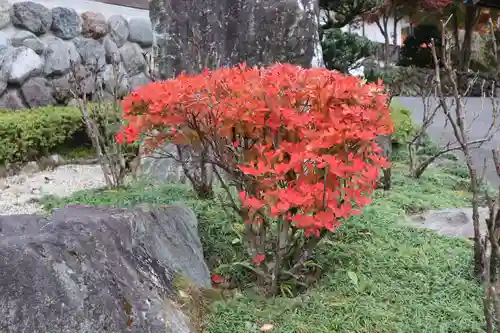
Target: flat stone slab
column 453, row 222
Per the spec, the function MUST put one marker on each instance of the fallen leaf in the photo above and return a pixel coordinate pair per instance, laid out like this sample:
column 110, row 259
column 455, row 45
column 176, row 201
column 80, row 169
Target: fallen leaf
column 266, row 327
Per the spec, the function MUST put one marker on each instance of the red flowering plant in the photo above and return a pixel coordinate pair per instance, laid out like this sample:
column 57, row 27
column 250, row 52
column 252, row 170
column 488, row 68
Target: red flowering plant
column 298, row 145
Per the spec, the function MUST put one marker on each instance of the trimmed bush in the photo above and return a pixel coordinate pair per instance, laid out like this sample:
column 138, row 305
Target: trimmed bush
column 403, row 123
column 415, row 51
column 36, row 131
column 343, row 50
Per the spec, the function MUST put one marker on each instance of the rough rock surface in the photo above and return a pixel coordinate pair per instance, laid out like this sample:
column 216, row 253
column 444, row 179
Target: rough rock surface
column 65, row 23
column 110, row 78
column 31, row 16
column 3, row 84
column 62, row 88
column 111, row 50
column 118, row 29
column 36, row 41
column 132, row 58
column 88, row 269
column 94, row 25
column 20, row 63
column 59, row 55
column 38, row 92
column 140, row 32
column 28, row 39
column 4, row 14
column 11, row 99
column 91, row 51
column 138, row 80
column 230, row 32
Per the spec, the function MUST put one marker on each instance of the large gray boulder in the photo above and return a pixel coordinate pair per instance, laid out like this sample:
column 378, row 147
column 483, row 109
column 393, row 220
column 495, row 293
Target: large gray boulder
column 28, row 39
column 31, row 16
column 38, row 92
column 91, row 51
column 4, row 13
column 118, row 29
column 89, row 269
column 60, row 56
column 230, row 32
column 65, row 23
column 20, row 63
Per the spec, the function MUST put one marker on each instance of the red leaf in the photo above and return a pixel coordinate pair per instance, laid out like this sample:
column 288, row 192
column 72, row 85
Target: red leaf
column 217, row 279
column 258, row 259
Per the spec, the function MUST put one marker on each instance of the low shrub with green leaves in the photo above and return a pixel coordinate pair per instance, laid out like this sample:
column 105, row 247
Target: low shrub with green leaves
column 36, row 131
column 403, row 123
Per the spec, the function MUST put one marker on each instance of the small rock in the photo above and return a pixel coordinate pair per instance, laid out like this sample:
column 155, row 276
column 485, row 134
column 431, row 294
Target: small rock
column 56, row 159
column 3, row 183
column 138, row 81
column 3, row 85
column 73, row 103
column 28, row 39
column 59, row 55
column 30, row 168
column 62, row 89
column 4, row 13
column 4, row 172
column 4, row 43
column 65, row 23
column 11, row 100
column 118, row 29
column 84, row 80
column 94, row 25
column 454, row 222
column 140, row 32
column 111, row 50
column 91, row 51
column 31, row 16
column 21, row 63
column 109, row 79
column 38, row 92
column 18, row 180
column 3, row 79
column 132, row 58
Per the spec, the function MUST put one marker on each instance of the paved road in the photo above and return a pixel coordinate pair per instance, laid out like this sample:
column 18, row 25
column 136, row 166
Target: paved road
column 478, row 119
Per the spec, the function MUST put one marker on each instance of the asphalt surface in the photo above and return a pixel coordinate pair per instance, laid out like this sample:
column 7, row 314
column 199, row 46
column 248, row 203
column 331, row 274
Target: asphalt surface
column 479, row 115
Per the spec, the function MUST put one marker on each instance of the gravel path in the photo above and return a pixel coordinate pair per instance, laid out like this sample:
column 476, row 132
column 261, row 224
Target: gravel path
column 19, row 194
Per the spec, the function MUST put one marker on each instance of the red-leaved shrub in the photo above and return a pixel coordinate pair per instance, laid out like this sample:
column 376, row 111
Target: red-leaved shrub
column 297, row 143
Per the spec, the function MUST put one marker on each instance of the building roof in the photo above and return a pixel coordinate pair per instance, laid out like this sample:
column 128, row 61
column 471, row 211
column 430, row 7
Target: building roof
column 139, row 4
column 489, row 3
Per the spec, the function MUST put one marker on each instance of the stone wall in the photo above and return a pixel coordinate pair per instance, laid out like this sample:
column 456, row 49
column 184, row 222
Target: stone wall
column 38, row 46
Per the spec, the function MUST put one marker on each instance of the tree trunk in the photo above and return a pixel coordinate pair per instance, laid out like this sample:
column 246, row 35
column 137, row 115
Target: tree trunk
column 466, row 47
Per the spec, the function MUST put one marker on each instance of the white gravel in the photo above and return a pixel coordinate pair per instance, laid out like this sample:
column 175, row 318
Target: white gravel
column 19, row 194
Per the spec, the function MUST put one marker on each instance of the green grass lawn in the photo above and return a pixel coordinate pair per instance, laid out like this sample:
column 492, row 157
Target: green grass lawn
column 378, row 275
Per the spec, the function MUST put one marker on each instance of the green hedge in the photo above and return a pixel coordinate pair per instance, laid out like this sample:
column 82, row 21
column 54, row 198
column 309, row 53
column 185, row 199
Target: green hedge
column 36, row 131
column 403, row 123
column 42, row 130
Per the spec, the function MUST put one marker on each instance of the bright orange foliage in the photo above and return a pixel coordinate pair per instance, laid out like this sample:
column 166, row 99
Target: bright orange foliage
column 303, row 138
